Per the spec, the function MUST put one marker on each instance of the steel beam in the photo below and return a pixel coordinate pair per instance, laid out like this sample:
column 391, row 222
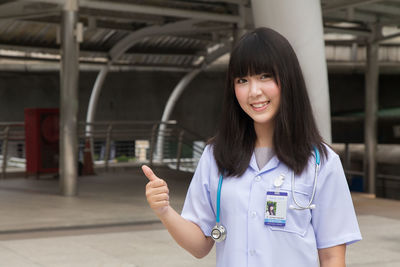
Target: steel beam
column 69, row 77
column 238, row 2
column 18, row 10
column 346, row 4
column 240, row 28
column 381, row 9
column 342, row 16
column 39, row 66
column 171, row 28
column 371, row 111
column 388, row 37
column 152, row 10
column 160, row 11
column 354, row 31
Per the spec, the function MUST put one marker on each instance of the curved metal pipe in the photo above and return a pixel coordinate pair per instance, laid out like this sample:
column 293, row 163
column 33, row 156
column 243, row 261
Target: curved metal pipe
column 117, row 51
column 173, row 98
column 176, row 93
column 94, row 97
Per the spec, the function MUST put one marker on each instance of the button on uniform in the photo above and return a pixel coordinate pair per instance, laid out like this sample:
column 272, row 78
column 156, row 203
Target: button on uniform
column 253, row 214
column 258, row 178
column 252, row 252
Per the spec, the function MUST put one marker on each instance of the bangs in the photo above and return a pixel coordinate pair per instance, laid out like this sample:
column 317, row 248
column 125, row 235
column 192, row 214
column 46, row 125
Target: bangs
column 252, row 56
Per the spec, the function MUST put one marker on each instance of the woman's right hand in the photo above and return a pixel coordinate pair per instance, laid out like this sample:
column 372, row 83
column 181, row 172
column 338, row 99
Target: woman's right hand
column 157, row 192
column 186, row 233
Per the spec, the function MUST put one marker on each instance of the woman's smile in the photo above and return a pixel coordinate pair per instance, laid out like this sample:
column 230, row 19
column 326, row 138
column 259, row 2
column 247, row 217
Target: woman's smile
column 260, row 106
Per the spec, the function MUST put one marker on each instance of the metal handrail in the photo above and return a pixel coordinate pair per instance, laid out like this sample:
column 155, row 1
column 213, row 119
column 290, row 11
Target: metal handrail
column 176, row 137
column 171, row 122
column 7, row 135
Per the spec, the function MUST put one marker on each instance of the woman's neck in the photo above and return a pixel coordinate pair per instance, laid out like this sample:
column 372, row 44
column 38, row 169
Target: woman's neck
column 265, row 134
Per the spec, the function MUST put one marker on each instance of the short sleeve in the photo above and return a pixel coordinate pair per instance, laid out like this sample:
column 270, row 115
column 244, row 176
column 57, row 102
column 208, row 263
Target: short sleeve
column 198, row 206
column 334, row 219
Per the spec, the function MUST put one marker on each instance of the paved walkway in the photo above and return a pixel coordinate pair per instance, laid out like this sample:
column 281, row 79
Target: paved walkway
column 110, row 224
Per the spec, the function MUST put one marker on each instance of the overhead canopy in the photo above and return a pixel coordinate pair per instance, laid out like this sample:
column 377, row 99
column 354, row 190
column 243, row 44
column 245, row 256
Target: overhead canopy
column 29, row 31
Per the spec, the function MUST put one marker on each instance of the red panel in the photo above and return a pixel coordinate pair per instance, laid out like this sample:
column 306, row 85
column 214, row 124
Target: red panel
column 42, row 140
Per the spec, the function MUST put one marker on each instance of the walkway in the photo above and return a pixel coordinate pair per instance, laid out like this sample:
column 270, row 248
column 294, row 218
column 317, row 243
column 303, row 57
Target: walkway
column 110, row 224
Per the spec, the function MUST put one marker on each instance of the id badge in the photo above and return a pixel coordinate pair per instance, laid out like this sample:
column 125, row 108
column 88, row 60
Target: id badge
column 275, row 208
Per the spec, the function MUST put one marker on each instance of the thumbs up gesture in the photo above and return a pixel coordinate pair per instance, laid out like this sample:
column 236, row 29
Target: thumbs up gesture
column 157, row 192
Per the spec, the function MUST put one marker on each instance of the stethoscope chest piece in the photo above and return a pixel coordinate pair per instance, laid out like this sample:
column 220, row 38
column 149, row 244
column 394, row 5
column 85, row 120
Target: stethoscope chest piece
column 218, row 233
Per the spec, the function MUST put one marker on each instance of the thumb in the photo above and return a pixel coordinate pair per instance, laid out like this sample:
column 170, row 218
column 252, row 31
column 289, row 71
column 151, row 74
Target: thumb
column 149, row 173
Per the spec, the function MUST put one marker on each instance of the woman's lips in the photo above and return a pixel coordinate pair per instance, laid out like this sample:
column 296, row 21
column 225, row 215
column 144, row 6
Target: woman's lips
column 260, row 106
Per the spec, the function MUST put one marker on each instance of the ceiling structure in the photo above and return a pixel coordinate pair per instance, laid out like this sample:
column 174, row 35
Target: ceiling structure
column 350, row 24
column 179, row 34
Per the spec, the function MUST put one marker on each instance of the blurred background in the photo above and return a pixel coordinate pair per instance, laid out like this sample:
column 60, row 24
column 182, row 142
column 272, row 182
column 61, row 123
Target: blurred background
column 92, row 89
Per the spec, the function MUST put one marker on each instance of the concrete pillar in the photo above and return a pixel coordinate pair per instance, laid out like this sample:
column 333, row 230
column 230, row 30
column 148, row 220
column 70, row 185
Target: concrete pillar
column 69, row 77
column 300, row 21
column 371, row 110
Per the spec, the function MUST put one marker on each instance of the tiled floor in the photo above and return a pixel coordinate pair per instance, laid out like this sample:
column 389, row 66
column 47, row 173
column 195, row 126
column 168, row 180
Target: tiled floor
column 108, row 225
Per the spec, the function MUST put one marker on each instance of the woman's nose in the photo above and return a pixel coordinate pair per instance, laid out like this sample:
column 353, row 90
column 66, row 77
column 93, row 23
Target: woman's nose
column 254, row 89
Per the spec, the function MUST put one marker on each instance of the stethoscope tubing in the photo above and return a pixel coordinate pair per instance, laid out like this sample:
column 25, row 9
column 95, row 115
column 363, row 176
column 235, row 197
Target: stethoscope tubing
column 219, row 196
column 299, row 206
column 310, row 205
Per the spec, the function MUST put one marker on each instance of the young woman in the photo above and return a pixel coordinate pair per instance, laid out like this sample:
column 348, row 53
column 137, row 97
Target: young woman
column 267, row 150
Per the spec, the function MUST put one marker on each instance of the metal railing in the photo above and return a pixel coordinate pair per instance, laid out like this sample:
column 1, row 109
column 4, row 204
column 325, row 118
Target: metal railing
column 12, row 134
column 124, row 143
column 135, row 141
column 353, row 164
column 113, row 143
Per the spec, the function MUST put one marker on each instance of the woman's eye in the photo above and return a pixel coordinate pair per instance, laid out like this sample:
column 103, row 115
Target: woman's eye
column 241, row 80
column 265, row 76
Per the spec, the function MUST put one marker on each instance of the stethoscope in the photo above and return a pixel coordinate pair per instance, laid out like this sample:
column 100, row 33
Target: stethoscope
column 218, row 233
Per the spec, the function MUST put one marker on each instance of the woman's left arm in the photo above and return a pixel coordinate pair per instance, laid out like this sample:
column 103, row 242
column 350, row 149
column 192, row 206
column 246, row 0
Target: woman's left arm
column 332, row 256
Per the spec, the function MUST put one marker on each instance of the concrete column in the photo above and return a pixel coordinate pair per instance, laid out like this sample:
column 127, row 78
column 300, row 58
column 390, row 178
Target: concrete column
column 300, row 21
column 69, row 76
column 371, row 110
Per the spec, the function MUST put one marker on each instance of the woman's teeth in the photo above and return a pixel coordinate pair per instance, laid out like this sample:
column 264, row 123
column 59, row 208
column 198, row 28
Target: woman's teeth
column 260, row 105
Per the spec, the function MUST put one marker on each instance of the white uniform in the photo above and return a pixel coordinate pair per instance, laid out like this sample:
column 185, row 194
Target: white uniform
column 251, row 243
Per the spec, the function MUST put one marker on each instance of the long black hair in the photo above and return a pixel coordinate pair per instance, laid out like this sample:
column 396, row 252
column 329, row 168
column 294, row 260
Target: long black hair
column 264, row 50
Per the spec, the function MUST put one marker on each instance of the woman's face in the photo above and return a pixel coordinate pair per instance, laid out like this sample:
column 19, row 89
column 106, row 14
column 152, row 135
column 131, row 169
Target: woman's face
column 258, row 96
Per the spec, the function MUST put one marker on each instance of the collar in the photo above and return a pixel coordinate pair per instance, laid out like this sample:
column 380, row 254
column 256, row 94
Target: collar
column 272, row 164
